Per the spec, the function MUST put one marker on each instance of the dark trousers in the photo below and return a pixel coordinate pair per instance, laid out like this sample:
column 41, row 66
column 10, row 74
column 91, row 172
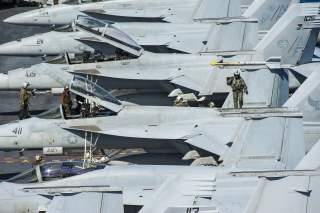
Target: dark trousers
column 66, row 110
column 24, row 112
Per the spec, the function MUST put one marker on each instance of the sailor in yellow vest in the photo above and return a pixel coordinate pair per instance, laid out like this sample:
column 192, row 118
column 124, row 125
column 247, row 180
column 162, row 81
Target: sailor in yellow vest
column 24, row 96
column 66, row 102
column 238, row 88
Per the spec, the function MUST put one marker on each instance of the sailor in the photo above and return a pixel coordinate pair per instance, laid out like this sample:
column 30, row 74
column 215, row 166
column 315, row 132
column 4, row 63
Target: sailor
column 179, row 102
column 211, row 104
column 66, row 102
column 238, row 88
column 37, row 160
column 79, row 100
column 24, row 96
column 86, row 56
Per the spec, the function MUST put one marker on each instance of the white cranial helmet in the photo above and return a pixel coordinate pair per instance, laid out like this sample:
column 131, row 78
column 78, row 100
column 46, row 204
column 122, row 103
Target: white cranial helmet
column 179, row 98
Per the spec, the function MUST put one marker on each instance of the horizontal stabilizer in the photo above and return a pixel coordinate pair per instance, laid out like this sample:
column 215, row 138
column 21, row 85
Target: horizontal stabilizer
column 217, row 9
column 186, row 82
column 206, row 143
column 238, row 36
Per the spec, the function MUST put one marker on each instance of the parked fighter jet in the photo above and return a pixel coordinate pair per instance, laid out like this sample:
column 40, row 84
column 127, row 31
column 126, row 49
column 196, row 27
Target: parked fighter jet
column 164, row 37
column 118, row 125
column 284, row 46
column 160, row 189
column 128, row 10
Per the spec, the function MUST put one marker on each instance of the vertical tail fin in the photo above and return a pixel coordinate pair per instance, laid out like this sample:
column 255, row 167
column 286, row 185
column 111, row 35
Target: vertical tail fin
column 268, row 12
column 208, row 9
column 308, row 52
column 307, row 100
column 306, row 97
column 290, row 36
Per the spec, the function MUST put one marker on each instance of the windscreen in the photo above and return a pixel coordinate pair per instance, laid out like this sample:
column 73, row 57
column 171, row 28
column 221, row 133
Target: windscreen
column 53, row 113
column 53, row 171
column 86, row 87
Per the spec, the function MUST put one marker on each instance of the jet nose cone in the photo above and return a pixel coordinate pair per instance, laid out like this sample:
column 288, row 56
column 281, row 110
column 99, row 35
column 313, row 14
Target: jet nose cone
column 26, row 18
column 21, row 47
column 11, row 20
column 33, row 17
column 16, row 19
column 8, row 48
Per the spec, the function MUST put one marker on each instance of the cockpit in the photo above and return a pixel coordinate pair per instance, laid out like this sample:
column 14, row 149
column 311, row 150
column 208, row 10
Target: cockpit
column 88, row 100
column 106, row 29
column 81, row 85
column 109, row 43
column 105, row 34
column 91, row 100
column 53, row 171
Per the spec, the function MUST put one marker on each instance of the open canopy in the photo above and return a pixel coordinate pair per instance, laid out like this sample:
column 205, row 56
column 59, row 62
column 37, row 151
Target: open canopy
column 103, row 32
column 95, row 93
